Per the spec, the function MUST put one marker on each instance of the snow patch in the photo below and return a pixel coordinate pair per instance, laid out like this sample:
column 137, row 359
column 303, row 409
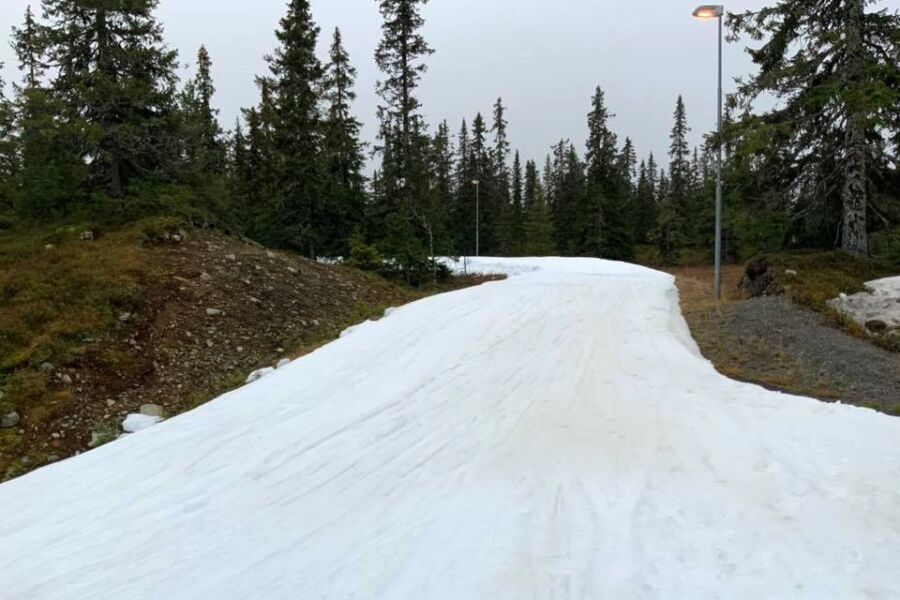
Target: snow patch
column 137, row 422
column 259, row 374
column 880, row 303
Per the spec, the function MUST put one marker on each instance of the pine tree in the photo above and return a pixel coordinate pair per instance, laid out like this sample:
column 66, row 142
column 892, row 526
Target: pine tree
column 539, row 233
column 343, row 152
column 115, row 72
column 834, row 68
column 400, row 57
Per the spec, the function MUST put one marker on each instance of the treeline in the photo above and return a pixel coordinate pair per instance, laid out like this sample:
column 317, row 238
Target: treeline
column 99, row 123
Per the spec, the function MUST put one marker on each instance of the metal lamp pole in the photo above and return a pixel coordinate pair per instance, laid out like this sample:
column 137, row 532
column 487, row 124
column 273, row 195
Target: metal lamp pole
column 717, row 12
column 477, row 185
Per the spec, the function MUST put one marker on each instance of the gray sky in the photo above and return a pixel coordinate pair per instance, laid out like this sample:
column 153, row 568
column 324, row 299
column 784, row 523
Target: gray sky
column 544, row 57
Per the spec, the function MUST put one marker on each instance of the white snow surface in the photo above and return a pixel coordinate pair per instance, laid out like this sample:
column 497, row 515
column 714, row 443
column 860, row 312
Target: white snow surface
column 553, row 436
column 881, row 302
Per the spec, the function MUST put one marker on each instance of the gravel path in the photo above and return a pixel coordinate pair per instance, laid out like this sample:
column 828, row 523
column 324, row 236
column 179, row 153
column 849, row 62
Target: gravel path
column 775, row 343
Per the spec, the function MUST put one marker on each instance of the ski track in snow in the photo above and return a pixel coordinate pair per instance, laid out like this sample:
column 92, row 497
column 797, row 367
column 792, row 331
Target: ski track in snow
column 553, row 436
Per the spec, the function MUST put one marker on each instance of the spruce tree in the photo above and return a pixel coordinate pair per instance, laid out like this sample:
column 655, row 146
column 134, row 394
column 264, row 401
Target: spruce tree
column 51, row 140
column 400, row 56
column 680, row 180
column 203, row 147
column 497, row 187
column 834, row 68
column 8, row 150
column 538, row 226
column 667, row 233
column 295, row 74
column 114, row 70
column 462, row 220
column 343, row 152
column 608, row 226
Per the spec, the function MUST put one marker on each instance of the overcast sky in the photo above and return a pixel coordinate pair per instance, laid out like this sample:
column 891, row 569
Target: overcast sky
column 544, row 57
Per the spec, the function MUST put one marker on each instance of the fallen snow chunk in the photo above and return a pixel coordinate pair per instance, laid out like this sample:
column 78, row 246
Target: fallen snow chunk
column 136, row 422
column 283, row 363
column 259, row 374
column 389, row 311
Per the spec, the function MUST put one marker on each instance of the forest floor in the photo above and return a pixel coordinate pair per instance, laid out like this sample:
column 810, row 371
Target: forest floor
column 96, row 324
column 780, row 344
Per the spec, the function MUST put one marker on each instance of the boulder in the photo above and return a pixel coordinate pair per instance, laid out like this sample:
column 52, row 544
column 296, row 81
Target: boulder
column 9, row 420
column 153, row 410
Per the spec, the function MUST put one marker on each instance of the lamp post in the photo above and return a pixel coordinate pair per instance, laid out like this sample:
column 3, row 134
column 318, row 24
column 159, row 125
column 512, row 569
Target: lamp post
column 717, row 12
column 477, row 185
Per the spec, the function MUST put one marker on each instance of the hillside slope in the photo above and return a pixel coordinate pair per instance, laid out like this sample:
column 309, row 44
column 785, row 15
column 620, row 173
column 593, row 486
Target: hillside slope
column 556, row 435
column 95, row 325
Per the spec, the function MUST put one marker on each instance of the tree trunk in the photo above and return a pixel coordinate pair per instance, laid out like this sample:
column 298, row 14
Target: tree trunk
column 854, row 195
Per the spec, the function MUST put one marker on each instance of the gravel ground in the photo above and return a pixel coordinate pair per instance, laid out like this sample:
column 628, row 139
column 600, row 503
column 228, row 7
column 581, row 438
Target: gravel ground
column 773, row 342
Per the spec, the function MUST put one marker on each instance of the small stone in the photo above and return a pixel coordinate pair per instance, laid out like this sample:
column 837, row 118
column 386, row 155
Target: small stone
column 790, row 272
column 49, row 247
column 292, row 270
column 277, row 351
column 270, row 254
column 153, row 410
column 86, row 236
column 209, row 343
column 205, row 276
column 47, row 366
column 230, row 257
column 315, row 322
column 110, row 402
column 240, row 349
column 55, row 436
column 214, row 312
column 176, row 238
column 10, row 420
column 66, row 379
column 254, row 300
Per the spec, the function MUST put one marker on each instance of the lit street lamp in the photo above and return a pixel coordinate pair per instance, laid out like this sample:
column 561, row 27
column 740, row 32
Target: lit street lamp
column 717, row 12
column 477, row 185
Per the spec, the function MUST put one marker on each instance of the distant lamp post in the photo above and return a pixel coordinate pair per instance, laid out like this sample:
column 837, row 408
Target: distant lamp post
column 717, row 12
column 477, row 185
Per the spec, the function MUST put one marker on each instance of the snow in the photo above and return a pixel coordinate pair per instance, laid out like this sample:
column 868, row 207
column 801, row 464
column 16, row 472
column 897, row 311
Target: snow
column 138, row 422
column 553, row 435
column 881, row 303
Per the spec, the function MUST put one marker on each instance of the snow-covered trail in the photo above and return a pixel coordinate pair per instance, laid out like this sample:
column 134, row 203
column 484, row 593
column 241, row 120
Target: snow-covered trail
column 553, row 436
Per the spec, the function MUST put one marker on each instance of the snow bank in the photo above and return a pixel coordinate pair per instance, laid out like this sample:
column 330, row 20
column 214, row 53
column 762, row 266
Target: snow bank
column 554, row 435
column 880, row 303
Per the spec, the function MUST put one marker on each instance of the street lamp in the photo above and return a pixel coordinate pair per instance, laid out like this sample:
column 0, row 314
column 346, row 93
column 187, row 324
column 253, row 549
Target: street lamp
column 477, row 185
column 717, row 12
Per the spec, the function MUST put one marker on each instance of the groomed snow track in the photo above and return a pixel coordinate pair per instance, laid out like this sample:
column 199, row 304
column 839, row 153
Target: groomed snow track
column 553, row 436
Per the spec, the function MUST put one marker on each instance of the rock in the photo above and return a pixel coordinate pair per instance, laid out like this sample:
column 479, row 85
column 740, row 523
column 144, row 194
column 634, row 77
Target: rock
column 86, row 236
column 53, row 458
column 10, row 420
column 240, row 349
column 842, row 296
column 176, row 238
column 315, row 322
column 125, row 317
column 292, row 270
column 230, row 257
column 270, row 254
column 214, row 312
column 49, row 247
column 283, row 363
column 277, row 351
column 790, row 272
column 66, row 379
column 55, row 436
column 153, row 410
column 110, row 402
column 135, row 422
column 876, row 326
column 259, row 374
column 205, row 276
column 209, row 343
column 47, row 366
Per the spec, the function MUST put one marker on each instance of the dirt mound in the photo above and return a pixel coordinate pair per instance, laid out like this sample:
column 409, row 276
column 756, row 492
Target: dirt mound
column 212, row 309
